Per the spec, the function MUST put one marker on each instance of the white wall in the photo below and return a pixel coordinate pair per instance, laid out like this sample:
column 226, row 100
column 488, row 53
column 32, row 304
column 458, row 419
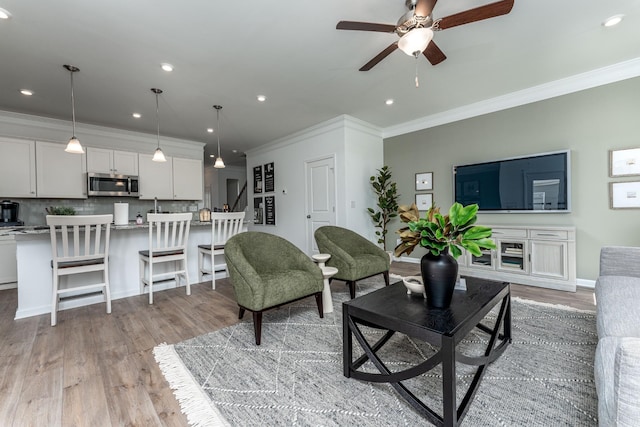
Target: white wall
column 357, row 148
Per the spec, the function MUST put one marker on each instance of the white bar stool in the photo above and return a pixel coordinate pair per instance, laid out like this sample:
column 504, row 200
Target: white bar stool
column 327, row 273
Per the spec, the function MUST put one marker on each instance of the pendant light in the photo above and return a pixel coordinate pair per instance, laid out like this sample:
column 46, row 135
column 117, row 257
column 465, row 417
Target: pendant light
column 158, row 156
column 73, row 146
column 218, row 164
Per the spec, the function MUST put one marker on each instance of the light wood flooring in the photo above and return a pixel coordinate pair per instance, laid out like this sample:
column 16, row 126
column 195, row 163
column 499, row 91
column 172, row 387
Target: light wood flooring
column 94, row 369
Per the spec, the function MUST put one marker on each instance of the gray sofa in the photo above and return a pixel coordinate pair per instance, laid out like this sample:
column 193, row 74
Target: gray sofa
column 617, row 361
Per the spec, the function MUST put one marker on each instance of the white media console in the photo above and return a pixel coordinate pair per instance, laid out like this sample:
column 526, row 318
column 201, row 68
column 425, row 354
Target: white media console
column 537, row 256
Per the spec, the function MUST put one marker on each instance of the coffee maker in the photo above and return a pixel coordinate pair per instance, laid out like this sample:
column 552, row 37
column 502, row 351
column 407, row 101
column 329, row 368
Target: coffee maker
column 9, row 214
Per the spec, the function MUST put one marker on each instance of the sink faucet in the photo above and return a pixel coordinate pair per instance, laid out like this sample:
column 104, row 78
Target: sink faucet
column 155, row 205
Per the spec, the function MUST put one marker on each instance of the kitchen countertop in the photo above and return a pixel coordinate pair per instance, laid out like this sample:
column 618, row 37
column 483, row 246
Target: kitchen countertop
column 44, row 229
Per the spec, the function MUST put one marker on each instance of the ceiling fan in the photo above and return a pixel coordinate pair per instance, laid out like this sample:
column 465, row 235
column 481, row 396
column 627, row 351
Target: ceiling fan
column 415, row 28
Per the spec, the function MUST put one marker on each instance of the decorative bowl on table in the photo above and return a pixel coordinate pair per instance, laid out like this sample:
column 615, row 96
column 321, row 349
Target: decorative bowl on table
column 414, row 285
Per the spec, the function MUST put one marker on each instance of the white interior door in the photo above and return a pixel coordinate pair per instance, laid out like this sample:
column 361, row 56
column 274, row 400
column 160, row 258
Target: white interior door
column 321, row 197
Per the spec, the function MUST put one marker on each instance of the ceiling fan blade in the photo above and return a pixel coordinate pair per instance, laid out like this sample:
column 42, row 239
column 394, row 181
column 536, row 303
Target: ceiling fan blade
column 478, row 14
column 379, row 57
column 365, row 26
column 424, row 7
column 434, row 54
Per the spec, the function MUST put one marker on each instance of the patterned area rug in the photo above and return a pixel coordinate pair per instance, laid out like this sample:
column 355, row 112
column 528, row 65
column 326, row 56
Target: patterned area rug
column 544, row 378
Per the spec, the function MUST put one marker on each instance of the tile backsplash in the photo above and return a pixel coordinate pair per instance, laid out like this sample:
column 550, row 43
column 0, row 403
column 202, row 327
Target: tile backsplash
column 33, row 211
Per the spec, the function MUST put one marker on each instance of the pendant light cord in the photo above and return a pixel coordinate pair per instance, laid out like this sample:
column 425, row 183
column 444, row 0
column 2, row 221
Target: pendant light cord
column 158, row 120
column 218, row 130
column 73, row 107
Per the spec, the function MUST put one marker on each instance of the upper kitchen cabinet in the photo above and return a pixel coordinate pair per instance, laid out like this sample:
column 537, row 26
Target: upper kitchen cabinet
column 60, row 174
column 156, row 178
column 102, row 160
column 187, row 179
column 17, row 168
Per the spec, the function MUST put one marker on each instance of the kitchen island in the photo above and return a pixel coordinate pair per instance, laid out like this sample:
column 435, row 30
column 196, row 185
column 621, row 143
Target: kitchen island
column 35, row 276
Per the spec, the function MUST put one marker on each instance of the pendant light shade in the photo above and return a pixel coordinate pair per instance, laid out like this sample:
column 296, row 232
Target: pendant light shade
column 218, row 164
column 73, row 146
column 158, row 156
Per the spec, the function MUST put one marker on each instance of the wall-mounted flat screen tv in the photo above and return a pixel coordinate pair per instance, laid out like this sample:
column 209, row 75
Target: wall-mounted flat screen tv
column 539, row 183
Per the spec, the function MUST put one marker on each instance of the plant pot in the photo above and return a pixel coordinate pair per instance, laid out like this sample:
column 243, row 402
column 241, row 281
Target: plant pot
column 439, row 273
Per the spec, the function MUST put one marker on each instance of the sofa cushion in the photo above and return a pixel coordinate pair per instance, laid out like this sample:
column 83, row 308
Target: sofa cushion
column 617, row 299
column 627, row 382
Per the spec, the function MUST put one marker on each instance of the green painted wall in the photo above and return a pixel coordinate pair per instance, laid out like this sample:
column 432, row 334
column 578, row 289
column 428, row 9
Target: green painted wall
column 589, row 123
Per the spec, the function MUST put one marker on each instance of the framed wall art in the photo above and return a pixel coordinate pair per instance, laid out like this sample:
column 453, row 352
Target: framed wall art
column 424, row 201
column 624, row 162
column 424, row 181
column 624, row 195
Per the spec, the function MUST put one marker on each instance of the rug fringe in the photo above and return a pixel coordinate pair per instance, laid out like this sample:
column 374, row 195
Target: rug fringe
column 193, row 401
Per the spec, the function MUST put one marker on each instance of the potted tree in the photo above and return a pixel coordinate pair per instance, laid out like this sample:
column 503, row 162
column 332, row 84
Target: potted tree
column 444, row 237
column 387, row 203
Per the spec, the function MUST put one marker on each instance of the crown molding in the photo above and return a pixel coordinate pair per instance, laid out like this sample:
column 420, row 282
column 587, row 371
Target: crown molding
column 590, row 79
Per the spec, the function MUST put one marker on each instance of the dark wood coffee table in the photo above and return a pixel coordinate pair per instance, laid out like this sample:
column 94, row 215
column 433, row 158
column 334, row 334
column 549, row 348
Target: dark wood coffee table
column 392, row 309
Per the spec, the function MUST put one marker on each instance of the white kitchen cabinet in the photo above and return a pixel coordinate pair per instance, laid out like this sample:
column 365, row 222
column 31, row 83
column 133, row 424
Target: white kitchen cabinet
column 187, row 179
column 60, row 174
column 528, row 255
column 17, row 168
column 102, row 160
column 156, row 178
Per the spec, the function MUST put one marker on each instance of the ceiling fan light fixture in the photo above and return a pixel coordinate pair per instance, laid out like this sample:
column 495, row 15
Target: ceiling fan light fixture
column 415, row 41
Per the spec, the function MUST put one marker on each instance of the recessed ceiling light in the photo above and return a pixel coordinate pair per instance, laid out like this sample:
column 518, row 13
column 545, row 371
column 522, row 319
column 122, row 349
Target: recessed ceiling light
column 4, row 14
column 389, row 102
column 137, row 115
column 210, row 130
column 234, row 151
column 613, row 20
column 212, row 155
column 261, row 98
column 167, row 67
column 26, row 92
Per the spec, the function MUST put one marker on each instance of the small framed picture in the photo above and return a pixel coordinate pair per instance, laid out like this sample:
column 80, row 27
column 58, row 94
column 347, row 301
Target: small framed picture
column 424, row 201
column 624, row 195
column 624, row 162
column 424, row 181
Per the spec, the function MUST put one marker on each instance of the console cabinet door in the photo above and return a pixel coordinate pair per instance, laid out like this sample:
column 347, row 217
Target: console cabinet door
column 187, row 179
column 156, row 178
column 549, row 259
column 60, row 174
column 17, row 168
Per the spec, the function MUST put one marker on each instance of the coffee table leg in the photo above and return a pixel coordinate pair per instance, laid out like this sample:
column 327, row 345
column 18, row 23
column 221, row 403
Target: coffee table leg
column 449, row 405
column 347, row 342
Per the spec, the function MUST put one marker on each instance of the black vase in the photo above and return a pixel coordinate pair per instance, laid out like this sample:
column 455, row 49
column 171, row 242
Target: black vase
column 439, row 273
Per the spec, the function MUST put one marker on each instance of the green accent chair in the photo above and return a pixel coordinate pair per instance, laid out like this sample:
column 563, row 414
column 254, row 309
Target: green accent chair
column 354, row 256
column 267, row 271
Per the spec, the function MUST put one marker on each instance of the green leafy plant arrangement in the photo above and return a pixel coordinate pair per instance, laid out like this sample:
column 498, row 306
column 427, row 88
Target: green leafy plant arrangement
column 387, row 194
column 61, row 210
column 441, row 233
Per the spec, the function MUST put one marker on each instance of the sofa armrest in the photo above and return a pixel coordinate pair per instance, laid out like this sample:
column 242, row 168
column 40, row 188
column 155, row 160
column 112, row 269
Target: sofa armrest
column 627, row 382
column 620, row 261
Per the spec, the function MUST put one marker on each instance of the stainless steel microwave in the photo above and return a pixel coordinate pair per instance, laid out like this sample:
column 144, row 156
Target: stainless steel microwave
column 104, row 184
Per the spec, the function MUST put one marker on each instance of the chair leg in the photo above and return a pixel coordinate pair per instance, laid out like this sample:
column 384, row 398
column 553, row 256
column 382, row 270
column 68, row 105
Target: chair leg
column 240, row 313
column 150, row 281
column 107, row 290
column 257, row 325
column 352, row 288
column 213, row 272
column 186, row 275
column 319, row 303
column 386, row 277
column 200, row 265
column 54, row 300
column 142, row 267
